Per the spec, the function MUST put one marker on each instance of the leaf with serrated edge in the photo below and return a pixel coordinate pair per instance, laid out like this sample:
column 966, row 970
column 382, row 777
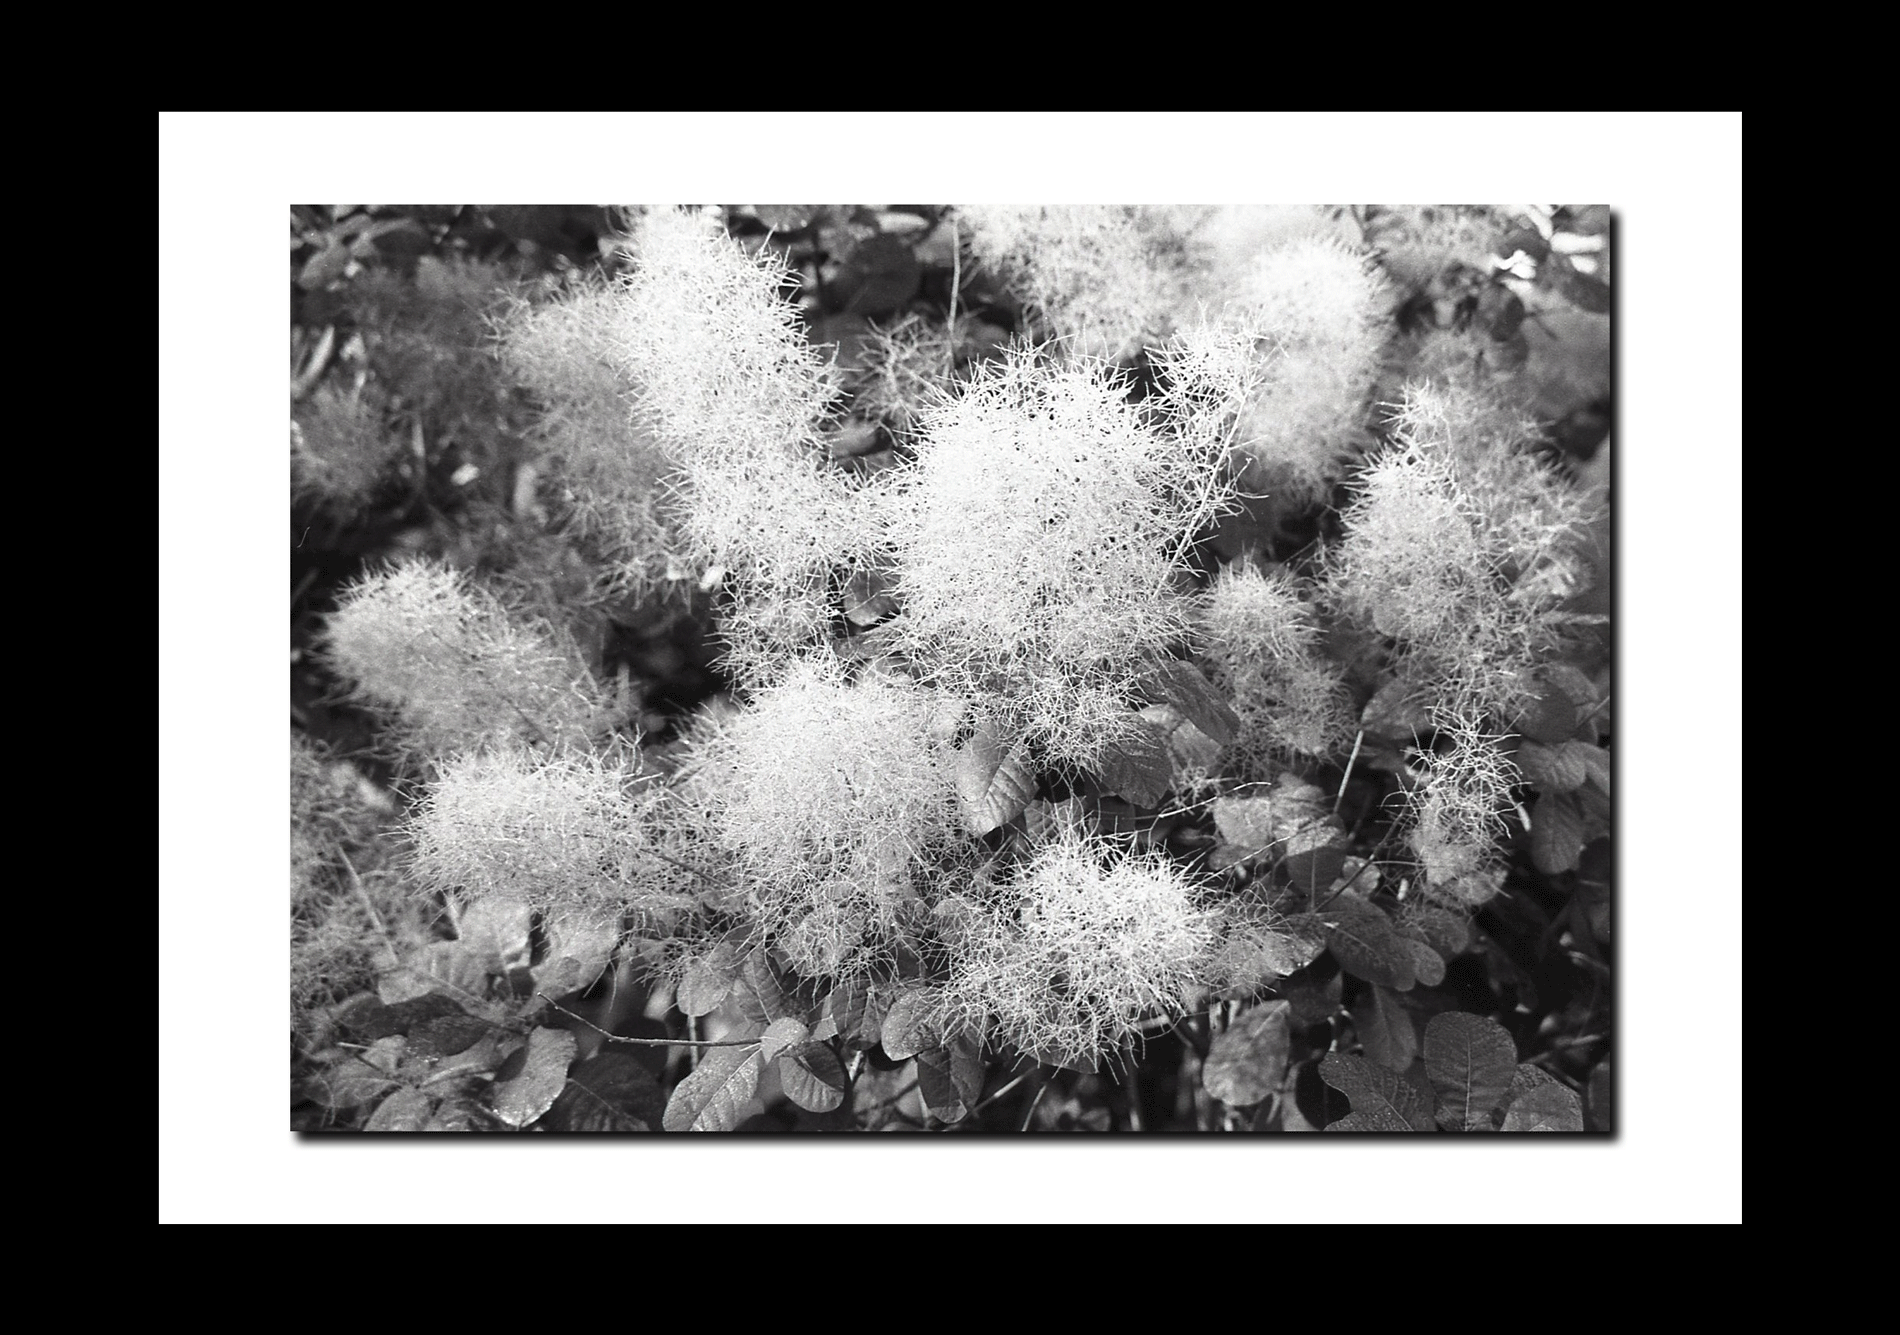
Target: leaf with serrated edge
column 779, row 1035
column 714, row 1095
column 912, row 1024
column 1363, row 941
column 1376, row 1094
column 993, row 781
column 523, row 1099
column 812, row 1077
column 1385, row 1029
column 1470, row 1061
column 1246, row 1063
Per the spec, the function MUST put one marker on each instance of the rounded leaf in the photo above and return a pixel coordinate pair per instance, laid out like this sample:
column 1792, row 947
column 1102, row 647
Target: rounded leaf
column 715, row 1095
column 532, row 1092
column 1246, row 1063
column 1471, row 1062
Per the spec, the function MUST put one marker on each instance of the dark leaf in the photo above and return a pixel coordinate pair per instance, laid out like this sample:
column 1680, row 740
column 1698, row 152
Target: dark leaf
column 1527, row 239
column 531, row 1093
column 444, row 1036
column 613, row 1092
column 708, row 979
column 1313, row 1000
column 1315, row 871
column 913, row 1024
column 950, row 1077
column 867, row 598
column 1558, row 768
column 1602, row 1092
column 779, row 1035
column 881, row 275
column 993, row 780
column 1471, row 1061
column 1382, row 1100
column 760, row 992
column 1182, row 685
column 1137, row 767
column 405, row 1110
column 714, row 1096
column 1385, row 1029
column 1246, row 1063
column 1557, row 834
column 1362, row 939
column 1584, row 291
column 843, row 1011
column 367, row 1020
column 1541, row 1102
column 813, row 1077
column 787, row 217
column 1444, row 931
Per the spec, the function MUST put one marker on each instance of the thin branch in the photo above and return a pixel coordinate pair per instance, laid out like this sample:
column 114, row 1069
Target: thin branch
column 1351, row 760
column 999, row 1093
column 652, row 1042
column 1028, row 1116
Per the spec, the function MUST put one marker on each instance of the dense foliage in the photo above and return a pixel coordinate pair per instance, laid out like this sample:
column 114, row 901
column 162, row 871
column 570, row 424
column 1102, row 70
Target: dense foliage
column 782, row 668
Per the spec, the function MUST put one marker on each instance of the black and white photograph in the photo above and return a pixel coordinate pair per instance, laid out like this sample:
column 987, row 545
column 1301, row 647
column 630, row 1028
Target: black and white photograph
column 1028, row 673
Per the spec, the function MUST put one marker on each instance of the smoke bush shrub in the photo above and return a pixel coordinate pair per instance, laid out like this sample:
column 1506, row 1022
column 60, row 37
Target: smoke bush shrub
column 1104, row 277
column 351, row 918
column 1460, row 555
column 341, row 452
column 1458, row 812
column 453, row 669
column 1261, row 639
column 610, row 469
column 954, row 665
column 1322, row 307
column 565, row 831
column 833, row 806
column 1038, row 545
column 731, row 390
column 1078, row 948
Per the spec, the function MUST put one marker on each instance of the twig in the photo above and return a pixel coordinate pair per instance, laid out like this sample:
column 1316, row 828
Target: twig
column 999, row 1093
column 362, row 896
column 1040, row 1090
column 956, row 283
column 652, row 1042
column 1351, row 760
column 304, row 382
